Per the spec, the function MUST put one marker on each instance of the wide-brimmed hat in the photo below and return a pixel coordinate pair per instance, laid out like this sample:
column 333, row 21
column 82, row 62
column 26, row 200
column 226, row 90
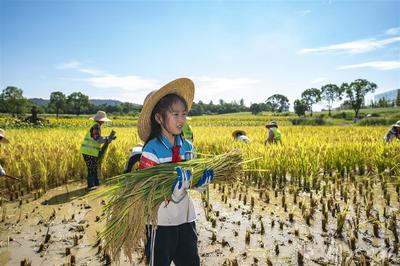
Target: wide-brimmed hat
column 3, row 138
column 236, row 132
column 101, row 116
column 271, row 124
column 397, row 124
column 182, row 87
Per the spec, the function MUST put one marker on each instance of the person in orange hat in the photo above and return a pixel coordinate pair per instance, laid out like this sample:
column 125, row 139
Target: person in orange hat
column 160, row 125
column 3, row 140
column 274, row 134
column 91, row 147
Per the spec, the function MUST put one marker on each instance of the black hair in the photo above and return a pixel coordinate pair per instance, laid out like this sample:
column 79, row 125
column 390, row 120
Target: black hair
column 163, row 105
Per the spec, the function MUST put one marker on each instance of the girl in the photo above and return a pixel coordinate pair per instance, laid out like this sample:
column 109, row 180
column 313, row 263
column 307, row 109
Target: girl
column 160, row 127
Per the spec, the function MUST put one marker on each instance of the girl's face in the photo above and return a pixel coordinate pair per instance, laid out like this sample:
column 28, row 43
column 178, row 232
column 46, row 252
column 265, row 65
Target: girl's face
column 173, row 121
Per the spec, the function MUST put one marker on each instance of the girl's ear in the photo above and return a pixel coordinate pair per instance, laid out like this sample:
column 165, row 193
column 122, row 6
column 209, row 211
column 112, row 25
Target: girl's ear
column 158, row 118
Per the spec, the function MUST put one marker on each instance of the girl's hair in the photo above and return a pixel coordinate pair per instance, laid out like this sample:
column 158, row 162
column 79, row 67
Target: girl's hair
column 163, row 105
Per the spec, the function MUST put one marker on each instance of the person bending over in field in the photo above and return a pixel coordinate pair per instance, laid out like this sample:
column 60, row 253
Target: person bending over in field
column 393, row 132
column 91, row 147
column 160, row 124
column 240, row 135
column 274, row 135
column 3, row 140
column 134, row 158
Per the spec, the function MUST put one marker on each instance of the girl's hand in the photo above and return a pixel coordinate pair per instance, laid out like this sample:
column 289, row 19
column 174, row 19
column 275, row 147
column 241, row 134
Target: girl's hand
column 208, row 176
column 181, row 184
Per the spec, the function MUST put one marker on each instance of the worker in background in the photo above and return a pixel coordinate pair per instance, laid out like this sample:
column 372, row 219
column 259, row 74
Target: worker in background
column 274, row 135
column 134, row 157
column 240, row 135
column 3, row 140
column 393, row 132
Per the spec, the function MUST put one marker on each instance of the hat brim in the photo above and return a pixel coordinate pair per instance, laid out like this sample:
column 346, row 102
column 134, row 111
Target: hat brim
column 182, row 87
column 395, row 125
column 104, row 119
column 234, row 133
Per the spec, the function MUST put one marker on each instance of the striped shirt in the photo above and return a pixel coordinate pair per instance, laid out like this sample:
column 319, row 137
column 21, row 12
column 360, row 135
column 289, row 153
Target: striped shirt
column 158, row 151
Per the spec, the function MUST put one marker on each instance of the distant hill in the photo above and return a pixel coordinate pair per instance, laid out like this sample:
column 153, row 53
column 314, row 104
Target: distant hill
column 106, row 102
column 42, row 102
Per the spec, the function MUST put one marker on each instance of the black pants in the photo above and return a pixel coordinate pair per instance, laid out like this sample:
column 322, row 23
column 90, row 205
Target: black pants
column 92, row 165
column 174, row 243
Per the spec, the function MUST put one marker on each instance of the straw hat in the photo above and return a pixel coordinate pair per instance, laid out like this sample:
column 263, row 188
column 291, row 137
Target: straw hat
column 272, row 124
column 3, row 137
column 182, row 87
column 236, row 132
column 101, row 116
column 397, row 124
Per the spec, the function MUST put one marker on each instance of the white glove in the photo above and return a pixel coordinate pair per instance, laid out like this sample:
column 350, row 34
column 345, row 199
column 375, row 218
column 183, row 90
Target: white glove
column 181, row 184
column 2, row 172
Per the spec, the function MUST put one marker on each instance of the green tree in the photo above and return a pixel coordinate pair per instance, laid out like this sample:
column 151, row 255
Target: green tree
column 300, row 107
column 12, row 101
column 278, row 103
column 398, row 98
column 78, row 102
column 331, row 93
column 255, row 108
column 57, row 101
column 310, row 97
column 356, row 92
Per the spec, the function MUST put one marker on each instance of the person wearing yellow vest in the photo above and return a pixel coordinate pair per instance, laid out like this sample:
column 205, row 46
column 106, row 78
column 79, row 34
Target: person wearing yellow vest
column 91, row 146
column 274, row 135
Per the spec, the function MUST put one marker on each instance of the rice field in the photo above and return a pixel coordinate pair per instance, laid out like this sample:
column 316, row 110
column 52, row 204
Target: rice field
column 326, row 196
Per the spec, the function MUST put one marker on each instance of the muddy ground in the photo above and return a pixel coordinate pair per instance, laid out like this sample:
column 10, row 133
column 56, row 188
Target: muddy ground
column 61, row 226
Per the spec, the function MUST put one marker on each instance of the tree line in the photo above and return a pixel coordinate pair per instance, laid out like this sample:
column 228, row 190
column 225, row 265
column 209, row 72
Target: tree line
column 12, row 101
column 354, row 94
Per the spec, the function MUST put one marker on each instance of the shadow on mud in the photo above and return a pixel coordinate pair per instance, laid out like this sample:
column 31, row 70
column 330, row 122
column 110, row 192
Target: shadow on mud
column 65, row 197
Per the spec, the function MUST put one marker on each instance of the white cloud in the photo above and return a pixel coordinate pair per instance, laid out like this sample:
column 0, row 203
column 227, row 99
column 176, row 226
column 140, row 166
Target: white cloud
column 69, row 65
column 125, row 88
column 305, row 12
column 355, row 47
column 75, row 65
column 101, row 79
column 392, row 31
column 210, row 86
column 130, row 83
column 318, row 80
column 229, row 89
column 380, row 65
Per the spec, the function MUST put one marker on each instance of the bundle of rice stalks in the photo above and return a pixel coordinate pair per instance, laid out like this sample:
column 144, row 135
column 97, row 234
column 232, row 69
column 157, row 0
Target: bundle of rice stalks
column 104, row 148
column 134, row 198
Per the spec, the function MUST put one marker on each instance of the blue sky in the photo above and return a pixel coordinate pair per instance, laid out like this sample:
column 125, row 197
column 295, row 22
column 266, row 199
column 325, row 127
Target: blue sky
column 231, row 49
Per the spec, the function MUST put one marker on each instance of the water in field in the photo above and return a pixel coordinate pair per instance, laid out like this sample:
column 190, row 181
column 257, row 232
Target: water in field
column 277, row 229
